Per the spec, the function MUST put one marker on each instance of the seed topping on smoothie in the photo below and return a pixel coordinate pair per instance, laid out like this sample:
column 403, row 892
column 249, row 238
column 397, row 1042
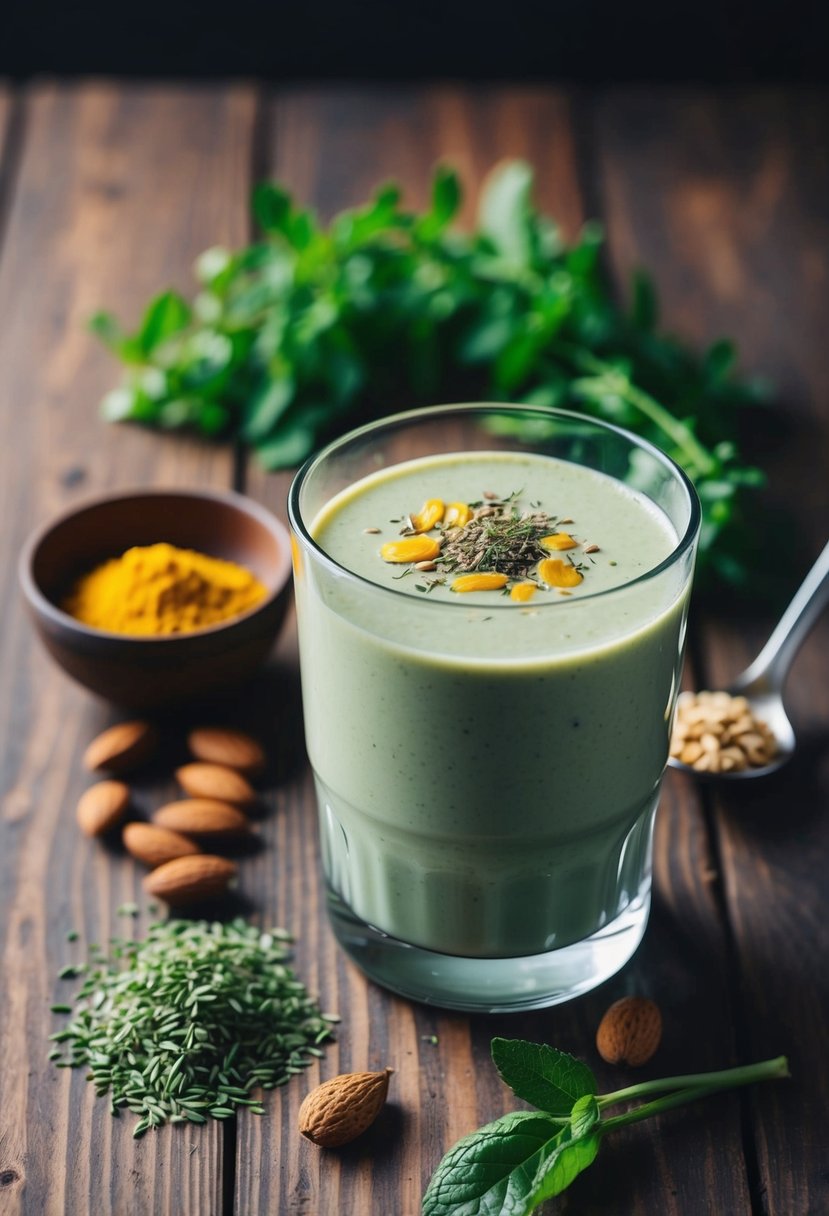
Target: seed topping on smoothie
column 493, row 544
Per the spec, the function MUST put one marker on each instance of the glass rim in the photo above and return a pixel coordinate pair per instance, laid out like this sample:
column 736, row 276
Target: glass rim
column 395, row 421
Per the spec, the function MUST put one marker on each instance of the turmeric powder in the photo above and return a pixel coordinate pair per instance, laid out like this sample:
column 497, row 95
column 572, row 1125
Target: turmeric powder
column 159, row 589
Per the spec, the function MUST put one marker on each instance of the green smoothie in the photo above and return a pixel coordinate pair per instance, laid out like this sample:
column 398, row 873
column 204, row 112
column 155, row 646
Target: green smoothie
column 488, row 767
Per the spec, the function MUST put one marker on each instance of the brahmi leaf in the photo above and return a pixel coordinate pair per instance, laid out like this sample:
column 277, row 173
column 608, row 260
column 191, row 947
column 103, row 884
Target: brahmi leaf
column 549, row 1079
column 495, row 1170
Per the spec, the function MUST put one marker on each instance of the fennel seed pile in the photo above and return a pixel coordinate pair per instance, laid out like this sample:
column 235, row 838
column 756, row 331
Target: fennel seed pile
column 190, row 1021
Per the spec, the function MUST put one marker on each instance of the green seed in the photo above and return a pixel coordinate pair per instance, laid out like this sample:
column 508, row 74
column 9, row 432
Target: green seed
column 158, row 1023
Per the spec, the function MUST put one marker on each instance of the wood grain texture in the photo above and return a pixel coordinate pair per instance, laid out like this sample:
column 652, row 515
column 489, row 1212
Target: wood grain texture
column 332, row 148
column 116, row 192
column 109, row 194
column 725, row 199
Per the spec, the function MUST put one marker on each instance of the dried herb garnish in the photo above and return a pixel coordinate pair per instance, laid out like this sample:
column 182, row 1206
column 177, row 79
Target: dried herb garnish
column 499, row 537
column 498, row 547
column 188, row 1022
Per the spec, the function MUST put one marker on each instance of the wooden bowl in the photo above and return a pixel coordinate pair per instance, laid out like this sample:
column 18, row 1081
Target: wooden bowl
column 150, row 672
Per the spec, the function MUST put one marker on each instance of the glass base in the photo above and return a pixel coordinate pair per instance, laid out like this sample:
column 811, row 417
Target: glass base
column 497, row 985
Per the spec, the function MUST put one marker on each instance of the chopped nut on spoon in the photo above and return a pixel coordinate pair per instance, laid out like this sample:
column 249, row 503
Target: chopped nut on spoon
column 715, row 732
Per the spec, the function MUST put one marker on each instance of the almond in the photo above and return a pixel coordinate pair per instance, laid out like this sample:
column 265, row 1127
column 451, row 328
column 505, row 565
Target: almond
column 154, row 845
column 187, row 880
column 102, row 807
column 202, row 817
column 630, row 1031
column 341, row 1109
column 232, row 748
column 120, row 748
column 201, row 780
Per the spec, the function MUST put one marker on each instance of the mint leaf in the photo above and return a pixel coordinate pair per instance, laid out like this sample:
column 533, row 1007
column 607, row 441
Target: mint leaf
column 549, row 1079
column 516, row 1163
column 584, row 1115
column 494, row 1170
column 563, row 1164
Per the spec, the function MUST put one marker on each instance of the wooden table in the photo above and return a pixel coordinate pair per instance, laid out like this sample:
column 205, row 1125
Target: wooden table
column 107, row 193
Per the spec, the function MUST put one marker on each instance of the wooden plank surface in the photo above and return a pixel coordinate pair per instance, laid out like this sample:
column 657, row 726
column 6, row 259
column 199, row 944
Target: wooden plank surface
column 117, row 191
column 724, row 198
column 333, row 148
column 108, row 194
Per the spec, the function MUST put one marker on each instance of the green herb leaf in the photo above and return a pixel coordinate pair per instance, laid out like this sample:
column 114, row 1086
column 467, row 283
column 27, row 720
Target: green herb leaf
column 509, row 1167
column 167, row 315
column 549, row 1079
column 272, row 208
column 563, row 1164
column 298, row 336
column 505, row 209
column 584, row 1115
column 493, row 1170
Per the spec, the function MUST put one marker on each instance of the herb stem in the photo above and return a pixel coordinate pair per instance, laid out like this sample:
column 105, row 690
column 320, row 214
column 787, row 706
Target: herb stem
column 744, row 1074
column 689, row 1088
column 674, row 427
column 647, row 1109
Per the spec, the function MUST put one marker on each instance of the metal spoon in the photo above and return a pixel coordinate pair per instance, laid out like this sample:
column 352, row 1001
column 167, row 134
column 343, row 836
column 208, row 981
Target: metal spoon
column 762, row 683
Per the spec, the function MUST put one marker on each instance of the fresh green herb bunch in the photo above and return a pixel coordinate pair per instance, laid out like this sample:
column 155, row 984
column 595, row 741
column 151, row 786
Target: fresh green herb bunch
column 190, row 1021
column 311, row 330
column 510, row 1166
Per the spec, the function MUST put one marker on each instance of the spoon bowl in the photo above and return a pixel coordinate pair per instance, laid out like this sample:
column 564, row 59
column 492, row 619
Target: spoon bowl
column 763, row 682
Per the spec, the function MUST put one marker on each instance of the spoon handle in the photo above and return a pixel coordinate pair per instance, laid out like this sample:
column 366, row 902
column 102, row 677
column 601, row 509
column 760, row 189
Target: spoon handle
column 773, row 662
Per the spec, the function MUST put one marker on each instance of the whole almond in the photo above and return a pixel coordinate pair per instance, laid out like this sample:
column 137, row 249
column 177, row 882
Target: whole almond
column 154, row 845
column 341, row 1109
column 202, row 817
column 102, row 807
column 630, row 1031
column 187, row 880
column 201, row 780
column 232, row 748
column 121, row 748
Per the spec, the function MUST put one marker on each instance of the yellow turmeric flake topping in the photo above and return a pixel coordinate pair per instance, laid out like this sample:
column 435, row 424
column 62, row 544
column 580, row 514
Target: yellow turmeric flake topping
column 457, row 515
column 410, row 549
column 159, row 589
column 557, row 573
column 558, row 542
column 487, row 581
column 430, row 514
column 522, row 592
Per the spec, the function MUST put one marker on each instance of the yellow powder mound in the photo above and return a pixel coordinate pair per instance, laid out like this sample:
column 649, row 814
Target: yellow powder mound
column 159, row 589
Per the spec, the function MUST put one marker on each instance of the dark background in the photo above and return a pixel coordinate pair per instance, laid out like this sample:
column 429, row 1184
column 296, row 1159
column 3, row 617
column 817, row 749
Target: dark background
column 713, row 41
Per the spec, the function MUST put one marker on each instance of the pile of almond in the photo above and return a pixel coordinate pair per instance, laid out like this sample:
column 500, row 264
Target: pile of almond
column 715, row 732
column 182, row 842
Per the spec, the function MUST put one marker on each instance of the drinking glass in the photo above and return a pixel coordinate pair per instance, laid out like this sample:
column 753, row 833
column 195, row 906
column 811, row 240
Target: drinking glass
column 487, row 795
